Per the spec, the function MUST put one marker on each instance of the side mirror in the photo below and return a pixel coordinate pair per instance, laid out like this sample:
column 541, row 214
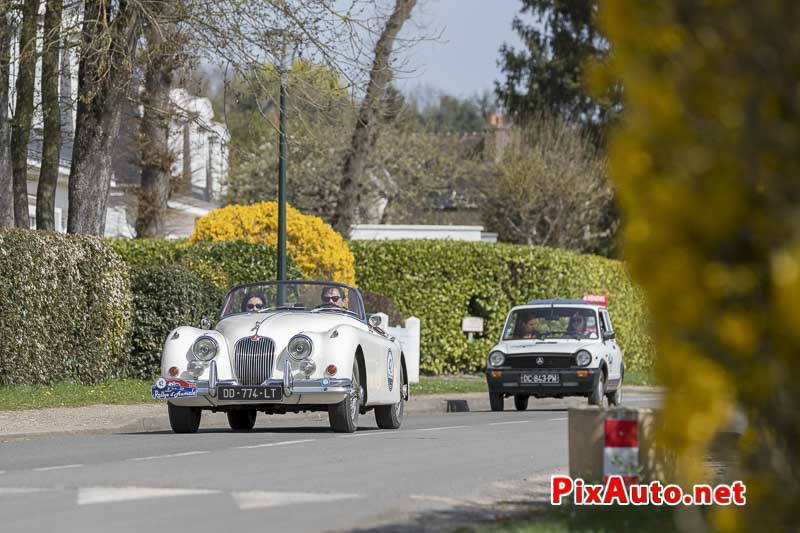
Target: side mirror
column 375, row 320
column 205, row 323
column 607, row 336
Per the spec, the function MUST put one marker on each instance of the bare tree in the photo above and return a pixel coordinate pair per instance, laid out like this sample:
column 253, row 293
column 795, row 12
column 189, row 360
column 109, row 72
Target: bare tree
column 110, row 35
column 165, row 53
column 6, row 178
column 23, row 111
column 51, row 110
column 550, row 188
column 365, row 132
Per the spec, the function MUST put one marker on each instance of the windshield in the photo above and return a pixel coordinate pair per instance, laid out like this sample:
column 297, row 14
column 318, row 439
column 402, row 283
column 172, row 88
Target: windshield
column 289, row 296
column 551, row 322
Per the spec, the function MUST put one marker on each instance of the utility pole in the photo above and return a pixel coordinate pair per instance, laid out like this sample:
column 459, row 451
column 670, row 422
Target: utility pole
column 282, row 170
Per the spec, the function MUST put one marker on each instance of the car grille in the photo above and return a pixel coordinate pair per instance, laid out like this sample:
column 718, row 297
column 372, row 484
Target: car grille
column 548, row 361
column 253, row 360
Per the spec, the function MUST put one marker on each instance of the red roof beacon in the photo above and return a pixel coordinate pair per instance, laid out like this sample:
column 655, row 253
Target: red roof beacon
column 596, row 299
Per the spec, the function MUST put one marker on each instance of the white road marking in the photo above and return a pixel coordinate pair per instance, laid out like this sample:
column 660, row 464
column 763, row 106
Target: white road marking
column 363, row 434
column 555, row 419
column 271, row 444
column 92, row 495
column 169, row 456
column 442, row 428
column 61, row 467
column 440, row 499
column 258, row 499
column 21, row 490
column 512, row 422
column 2, row 472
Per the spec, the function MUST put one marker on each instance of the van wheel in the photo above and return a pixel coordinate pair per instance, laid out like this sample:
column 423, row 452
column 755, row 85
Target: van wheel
column 521, row 402
column 496, row 401
column 184, row 419
column 343, row 416
column 596, row 397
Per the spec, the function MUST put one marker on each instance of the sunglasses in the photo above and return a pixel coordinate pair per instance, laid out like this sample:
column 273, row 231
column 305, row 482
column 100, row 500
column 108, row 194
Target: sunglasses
column 331, row 298
column 255, row 306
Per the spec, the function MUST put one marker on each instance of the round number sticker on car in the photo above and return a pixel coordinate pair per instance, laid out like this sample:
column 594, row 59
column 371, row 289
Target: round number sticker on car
column 390, row 370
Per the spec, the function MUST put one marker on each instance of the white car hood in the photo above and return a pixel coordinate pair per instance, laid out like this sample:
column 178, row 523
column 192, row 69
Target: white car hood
column 282, row 325
column 560, row 346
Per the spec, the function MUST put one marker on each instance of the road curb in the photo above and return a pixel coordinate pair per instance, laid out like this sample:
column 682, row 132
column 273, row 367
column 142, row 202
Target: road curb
column 72, row 422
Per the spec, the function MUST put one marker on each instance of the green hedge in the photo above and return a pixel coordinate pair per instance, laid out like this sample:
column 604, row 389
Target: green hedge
column 165, row 296
column 65, row 308
column 441, row 282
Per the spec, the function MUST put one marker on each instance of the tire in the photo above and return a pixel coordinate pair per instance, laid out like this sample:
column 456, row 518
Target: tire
column 615, row 398
column 391, row 416
column 521, row 402
column 343, row 416
column 496, row 401
column 184, row 419
column 596, row 397
column 243, row 420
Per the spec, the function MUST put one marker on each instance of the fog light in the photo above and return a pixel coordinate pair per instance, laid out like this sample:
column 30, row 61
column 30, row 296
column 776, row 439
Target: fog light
column 307, row 367
column 331, row 370
column 195, row 368
column 582, row 373
column 497, row 373
column 173, row 371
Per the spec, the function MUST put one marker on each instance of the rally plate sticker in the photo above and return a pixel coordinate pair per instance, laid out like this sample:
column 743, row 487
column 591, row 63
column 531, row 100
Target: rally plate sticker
column 165, row 388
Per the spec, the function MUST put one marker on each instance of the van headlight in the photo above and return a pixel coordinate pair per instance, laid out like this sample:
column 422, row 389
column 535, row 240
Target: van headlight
column 496, row 359
column 583, row 358
column 205, row 348
column 300, row 347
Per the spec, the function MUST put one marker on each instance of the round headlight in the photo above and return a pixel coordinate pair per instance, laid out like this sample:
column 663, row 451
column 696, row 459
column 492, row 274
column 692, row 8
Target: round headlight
column 496, row 359
column 300, row 347
column 583, row 358
column 205, row 348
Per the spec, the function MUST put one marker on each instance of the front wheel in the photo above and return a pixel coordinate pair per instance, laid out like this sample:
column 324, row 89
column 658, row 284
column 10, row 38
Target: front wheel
column 243, row 420
column 596, row 397
column 391, row 416
column 343, row 416
column 521, row 402
column 615, row 398
column 184, row 419
column 496, row 401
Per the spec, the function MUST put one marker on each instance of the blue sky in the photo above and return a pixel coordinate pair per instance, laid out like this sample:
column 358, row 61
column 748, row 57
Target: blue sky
column 463, row 61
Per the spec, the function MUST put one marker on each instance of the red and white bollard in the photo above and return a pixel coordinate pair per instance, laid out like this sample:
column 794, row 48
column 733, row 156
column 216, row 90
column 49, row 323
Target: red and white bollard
column 621, row 451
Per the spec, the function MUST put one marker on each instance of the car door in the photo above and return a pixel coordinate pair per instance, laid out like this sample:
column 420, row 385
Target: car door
column 382, row 360
column 614, row 353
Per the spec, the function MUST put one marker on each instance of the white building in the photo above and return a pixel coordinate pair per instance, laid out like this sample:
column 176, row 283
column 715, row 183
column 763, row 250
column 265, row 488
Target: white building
column 198, row 142
column 373, row 232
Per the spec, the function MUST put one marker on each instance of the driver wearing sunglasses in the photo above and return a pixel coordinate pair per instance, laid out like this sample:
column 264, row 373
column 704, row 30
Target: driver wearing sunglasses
column 253, row 303
column 333, row 296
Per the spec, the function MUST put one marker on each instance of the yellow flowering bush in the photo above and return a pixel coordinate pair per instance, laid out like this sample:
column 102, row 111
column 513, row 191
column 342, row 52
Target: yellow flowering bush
column 318, row 251
column 706, row 164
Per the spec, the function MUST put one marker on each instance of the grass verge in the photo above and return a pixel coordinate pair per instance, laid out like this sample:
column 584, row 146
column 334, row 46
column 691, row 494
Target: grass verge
column 130, row 391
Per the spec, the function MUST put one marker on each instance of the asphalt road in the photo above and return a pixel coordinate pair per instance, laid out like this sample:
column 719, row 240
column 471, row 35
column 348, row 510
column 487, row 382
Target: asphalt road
column 289, row 474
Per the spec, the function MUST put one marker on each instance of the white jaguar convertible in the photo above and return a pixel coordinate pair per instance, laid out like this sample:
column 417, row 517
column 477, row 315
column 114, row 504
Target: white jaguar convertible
column 284, row 347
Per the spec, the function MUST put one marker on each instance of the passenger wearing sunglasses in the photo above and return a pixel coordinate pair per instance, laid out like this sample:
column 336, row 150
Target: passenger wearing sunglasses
column 253, row 302
column 332, row 296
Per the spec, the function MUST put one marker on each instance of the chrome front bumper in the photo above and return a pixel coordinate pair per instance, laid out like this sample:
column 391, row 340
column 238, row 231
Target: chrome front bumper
column 290, row 385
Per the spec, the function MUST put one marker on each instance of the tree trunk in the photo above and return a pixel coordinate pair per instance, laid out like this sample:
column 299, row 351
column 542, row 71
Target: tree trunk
column 6, row 178
column 104, row 72
column 156, row 157
column 365, row 132
column 23, row 111
column 51, row 143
